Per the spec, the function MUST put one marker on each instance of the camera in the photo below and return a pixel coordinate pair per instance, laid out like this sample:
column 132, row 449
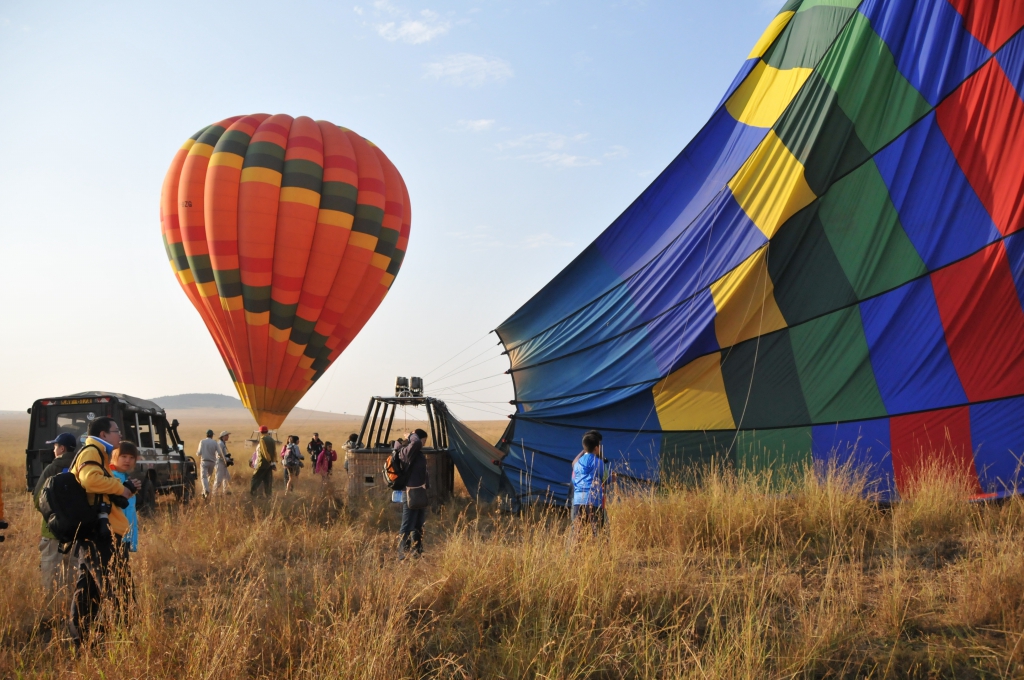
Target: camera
column 228, row 460
column 103, row 522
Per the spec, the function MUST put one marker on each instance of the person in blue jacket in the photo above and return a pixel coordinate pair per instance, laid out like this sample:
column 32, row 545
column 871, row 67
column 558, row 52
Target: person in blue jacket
column 121, row 465
column 589, row 476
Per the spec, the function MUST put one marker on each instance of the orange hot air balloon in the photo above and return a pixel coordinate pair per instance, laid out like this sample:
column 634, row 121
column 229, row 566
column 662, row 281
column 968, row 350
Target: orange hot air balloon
column 285, row 234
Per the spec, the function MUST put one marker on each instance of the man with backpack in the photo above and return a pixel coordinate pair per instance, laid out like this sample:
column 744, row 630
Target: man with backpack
column 414, row 508
column 54, row 566
column 101, row 555
column 264, row 463
column 292, row 461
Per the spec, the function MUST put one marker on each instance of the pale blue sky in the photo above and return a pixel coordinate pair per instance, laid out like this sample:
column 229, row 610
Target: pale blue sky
column 521, row 128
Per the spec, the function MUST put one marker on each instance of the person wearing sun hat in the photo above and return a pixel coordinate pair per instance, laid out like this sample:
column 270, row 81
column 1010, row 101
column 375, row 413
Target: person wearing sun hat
column 220, row 482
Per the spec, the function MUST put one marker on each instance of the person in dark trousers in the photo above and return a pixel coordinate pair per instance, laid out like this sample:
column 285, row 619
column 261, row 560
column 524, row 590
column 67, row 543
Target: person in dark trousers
column 54, row 566
column 264, row 464
column 411, row 532
column 313, row 448
column 103, row 557
column 589, row 475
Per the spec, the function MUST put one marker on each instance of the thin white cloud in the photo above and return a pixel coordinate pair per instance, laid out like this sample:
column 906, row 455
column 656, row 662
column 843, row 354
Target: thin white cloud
column 358, row 10
column 469, row 69
column 563, row 160
column 547, row 140
column 544, row 240
column 481, row 125
column 414, row 31
column 556, row 150
column 401, row 25
column 616, row 152
column 483, row 238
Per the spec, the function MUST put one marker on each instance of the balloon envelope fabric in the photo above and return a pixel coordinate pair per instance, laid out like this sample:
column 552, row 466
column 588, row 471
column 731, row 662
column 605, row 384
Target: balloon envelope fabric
column 285, row 234
column 832, row 270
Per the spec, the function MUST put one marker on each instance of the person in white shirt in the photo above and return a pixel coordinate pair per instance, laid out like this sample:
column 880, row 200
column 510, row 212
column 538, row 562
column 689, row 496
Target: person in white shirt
column 207, row 453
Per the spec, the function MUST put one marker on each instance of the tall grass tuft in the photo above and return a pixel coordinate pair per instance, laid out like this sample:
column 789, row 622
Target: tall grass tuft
column 717, row 574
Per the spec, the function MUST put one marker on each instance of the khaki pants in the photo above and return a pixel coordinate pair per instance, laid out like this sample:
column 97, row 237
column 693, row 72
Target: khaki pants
column 54, row 568
column 220, row 483
column 208, row 467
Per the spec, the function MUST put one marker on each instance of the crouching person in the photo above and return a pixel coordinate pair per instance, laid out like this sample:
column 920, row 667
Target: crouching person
column 101, row 558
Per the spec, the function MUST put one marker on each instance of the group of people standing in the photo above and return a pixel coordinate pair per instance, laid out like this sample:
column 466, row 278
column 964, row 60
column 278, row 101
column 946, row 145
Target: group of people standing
column 265, row 458
column 98, row 564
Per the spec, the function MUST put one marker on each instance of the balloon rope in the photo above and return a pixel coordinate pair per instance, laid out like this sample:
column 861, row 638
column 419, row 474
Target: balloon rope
column 456, row 370
column 457, row 354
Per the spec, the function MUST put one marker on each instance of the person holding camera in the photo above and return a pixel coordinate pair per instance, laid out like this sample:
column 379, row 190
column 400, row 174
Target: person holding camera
column 101, row 557
column 224, row 461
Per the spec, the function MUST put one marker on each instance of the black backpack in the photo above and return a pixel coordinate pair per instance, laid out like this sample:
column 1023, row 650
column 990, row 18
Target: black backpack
column 65, row 505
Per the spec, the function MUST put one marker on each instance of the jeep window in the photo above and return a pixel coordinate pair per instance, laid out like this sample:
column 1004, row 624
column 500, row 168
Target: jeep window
column 162, row 434
column 75, row 423
column 145, row 433
column 128, row 430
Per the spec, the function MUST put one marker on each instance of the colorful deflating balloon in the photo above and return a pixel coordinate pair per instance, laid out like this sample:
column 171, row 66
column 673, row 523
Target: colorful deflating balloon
column 832, row 270
column 285, row 234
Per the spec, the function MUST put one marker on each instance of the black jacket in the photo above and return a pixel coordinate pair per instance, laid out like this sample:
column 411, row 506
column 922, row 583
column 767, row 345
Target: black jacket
column 413, row 452
column 54, row 468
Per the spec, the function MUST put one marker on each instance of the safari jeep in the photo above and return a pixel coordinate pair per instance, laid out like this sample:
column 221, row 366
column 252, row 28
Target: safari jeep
column 163, row 466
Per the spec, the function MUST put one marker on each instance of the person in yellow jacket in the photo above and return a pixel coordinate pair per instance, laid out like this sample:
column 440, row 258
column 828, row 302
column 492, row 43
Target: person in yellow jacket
column 264, row 463
column 101, row 558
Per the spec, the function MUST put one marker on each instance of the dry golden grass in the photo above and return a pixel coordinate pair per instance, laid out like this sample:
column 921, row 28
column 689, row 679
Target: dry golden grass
column 731, row 579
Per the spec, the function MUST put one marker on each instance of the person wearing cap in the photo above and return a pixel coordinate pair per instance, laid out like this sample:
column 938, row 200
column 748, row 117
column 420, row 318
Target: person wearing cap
column 264, row 463
column 207, row 453
column 54, row 567
column 220, row 482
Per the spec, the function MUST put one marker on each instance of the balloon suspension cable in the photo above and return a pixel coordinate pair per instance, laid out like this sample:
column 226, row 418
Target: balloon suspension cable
column 459, row 369
column 457, row 354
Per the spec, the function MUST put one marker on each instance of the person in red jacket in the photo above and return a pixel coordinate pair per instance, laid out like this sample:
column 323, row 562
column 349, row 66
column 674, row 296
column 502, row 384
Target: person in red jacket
column 323, row 462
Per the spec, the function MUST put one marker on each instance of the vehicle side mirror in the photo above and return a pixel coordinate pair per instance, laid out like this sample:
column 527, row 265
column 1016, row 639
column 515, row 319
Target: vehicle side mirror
column 174, row 423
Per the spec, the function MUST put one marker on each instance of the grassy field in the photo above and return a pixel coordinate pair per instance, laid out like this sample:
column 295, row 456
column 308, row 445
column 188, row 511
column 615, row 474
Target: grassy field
column 729, row 580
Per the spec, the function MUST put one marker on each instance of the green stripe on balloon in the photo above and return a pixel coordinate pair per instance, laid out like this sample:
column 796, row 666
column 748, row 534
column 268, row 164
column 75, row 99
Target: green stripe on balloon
column 806, row 273
column 281, row 315
column 264, row 155
column 807, row 37
column 368, row 219
column 229, row 282
column 761, row 383
column 873, row 93
column 834, row 366
column 864, row 229
column 256, row 299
